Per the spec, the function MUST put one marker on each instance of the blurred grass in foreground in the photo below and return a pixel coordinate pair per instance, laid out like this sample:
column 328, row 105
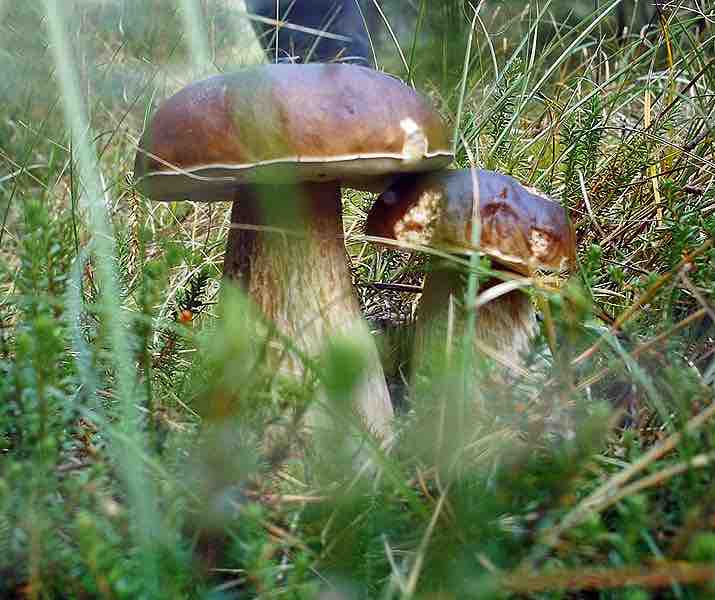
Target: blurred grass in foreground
column 148, row 453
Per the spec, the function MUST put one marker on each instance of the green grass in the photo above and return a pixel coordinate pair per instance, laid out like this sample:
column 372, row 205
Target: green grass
column 147, row 455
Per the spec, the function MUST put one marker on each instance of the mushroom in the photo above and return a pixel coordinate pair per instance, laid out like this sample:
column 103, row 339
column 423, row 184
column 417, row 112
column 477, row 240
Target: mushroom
column 522, row 231
column 280, row 140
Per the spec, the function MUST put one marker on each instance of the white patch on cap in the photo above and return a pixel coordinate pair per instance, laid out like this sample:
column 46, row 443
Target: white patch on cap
column 415, row 146
column 541, row 244
column 418, row 224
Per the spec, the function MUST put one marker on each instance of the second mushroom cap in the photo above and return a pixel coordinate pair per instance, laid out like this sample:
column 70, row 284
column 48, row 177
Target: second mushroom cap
column 520, row 228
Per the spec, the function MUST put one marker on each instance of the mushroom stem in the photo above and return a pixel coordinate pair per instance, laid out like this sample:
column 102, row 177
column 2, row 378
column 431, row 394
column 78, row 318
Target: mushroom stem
column 300, row 279
column 505, row 324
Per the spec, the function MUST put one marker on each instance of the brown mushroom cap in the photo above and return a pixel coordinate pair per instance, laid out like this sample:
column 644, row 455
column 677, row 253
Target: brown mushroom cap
column 287, row 123
column 521, row 229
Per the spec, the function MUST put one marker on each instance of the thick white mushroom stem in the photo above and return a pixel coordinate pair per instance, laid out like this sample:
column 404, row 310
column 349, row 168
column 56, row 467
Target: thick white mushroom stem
column 300, row 280
column 505, row 324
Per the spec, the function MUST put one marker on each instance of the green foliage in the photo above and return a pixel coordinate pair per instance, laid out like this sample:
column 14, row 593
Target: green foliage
column 581, row 138
column 499, row 127
column 501, row 482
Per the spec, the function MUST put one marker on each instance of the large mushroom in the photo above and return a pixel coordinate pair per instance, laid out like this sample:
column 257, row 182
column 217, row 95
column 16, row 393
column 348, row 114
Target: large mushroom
column 522, row 231
column 280, row 140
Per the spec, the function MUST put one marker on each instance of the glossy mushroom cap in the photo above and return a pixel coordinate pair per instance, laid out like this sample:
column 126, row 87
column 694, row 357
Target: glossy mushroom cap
column 521, row 229
column 288, row 123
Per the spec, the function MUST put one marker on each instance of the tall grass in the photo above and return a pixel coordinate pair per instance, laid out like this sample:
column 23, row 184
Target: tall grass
column 147, row 450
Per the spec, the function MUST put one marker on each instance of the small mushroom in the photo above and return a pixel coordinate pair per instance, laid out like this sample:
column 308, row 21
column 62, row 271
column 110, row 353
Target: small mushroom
column 280, row 140
column 522, row 231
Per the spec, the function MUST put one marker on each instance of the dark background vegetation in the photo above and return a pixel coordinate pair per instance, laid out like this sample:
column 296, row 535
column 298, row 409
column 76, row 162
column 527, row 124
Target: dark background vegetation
column 132, row 462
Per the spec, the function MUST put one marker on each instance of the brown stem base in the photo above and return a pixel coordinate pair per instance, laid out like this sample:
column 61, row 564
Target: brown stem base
column 293, row 266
